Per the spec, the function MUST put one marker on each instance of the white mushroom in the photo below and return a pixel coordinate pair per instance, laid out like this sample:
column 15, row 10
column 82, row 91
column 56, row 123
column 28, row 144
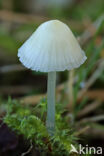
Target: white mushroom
column 52, row 47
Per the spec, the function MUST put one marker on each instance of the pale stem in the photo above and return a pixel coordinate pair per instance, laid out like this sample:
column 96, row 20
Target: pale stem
column 50, row 123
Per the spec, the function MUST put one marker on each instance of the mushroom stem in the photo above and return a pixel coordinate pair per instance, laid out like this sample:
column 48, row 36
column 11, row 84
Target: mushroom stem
column 50, row 123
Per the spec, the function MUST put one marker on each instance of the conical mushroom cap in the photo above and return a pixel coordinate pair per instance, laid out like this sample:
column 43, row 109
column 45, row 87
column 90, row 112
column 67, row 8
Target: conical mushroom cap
column 52, row 47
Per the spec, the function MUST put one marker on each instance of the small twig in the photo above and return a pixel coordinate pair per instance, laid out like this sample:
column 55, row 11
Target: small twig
column 32, row 99
column 81, row 131
column 92, row 119
column 28, row 151
column 96, row 94
column 92, row 79
column 96, row 74
column 96, row 131
column 91, row 30
column 89, row 108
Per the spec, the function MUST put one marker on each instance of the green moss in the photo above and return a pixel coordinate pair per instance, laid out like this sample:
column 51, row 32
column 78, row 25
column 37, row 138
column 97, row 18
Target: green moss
column 23, row 121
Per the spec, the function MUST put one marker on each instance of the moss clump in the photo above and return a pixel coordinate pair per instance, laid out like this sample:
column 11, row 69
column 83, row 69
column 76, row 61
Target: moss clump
column 22, row 120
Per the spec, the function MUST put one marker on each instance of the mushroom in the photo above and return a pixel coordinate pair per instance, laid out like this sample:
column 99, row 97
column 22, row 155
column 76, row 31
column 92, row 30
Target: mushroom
column 52, row 47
